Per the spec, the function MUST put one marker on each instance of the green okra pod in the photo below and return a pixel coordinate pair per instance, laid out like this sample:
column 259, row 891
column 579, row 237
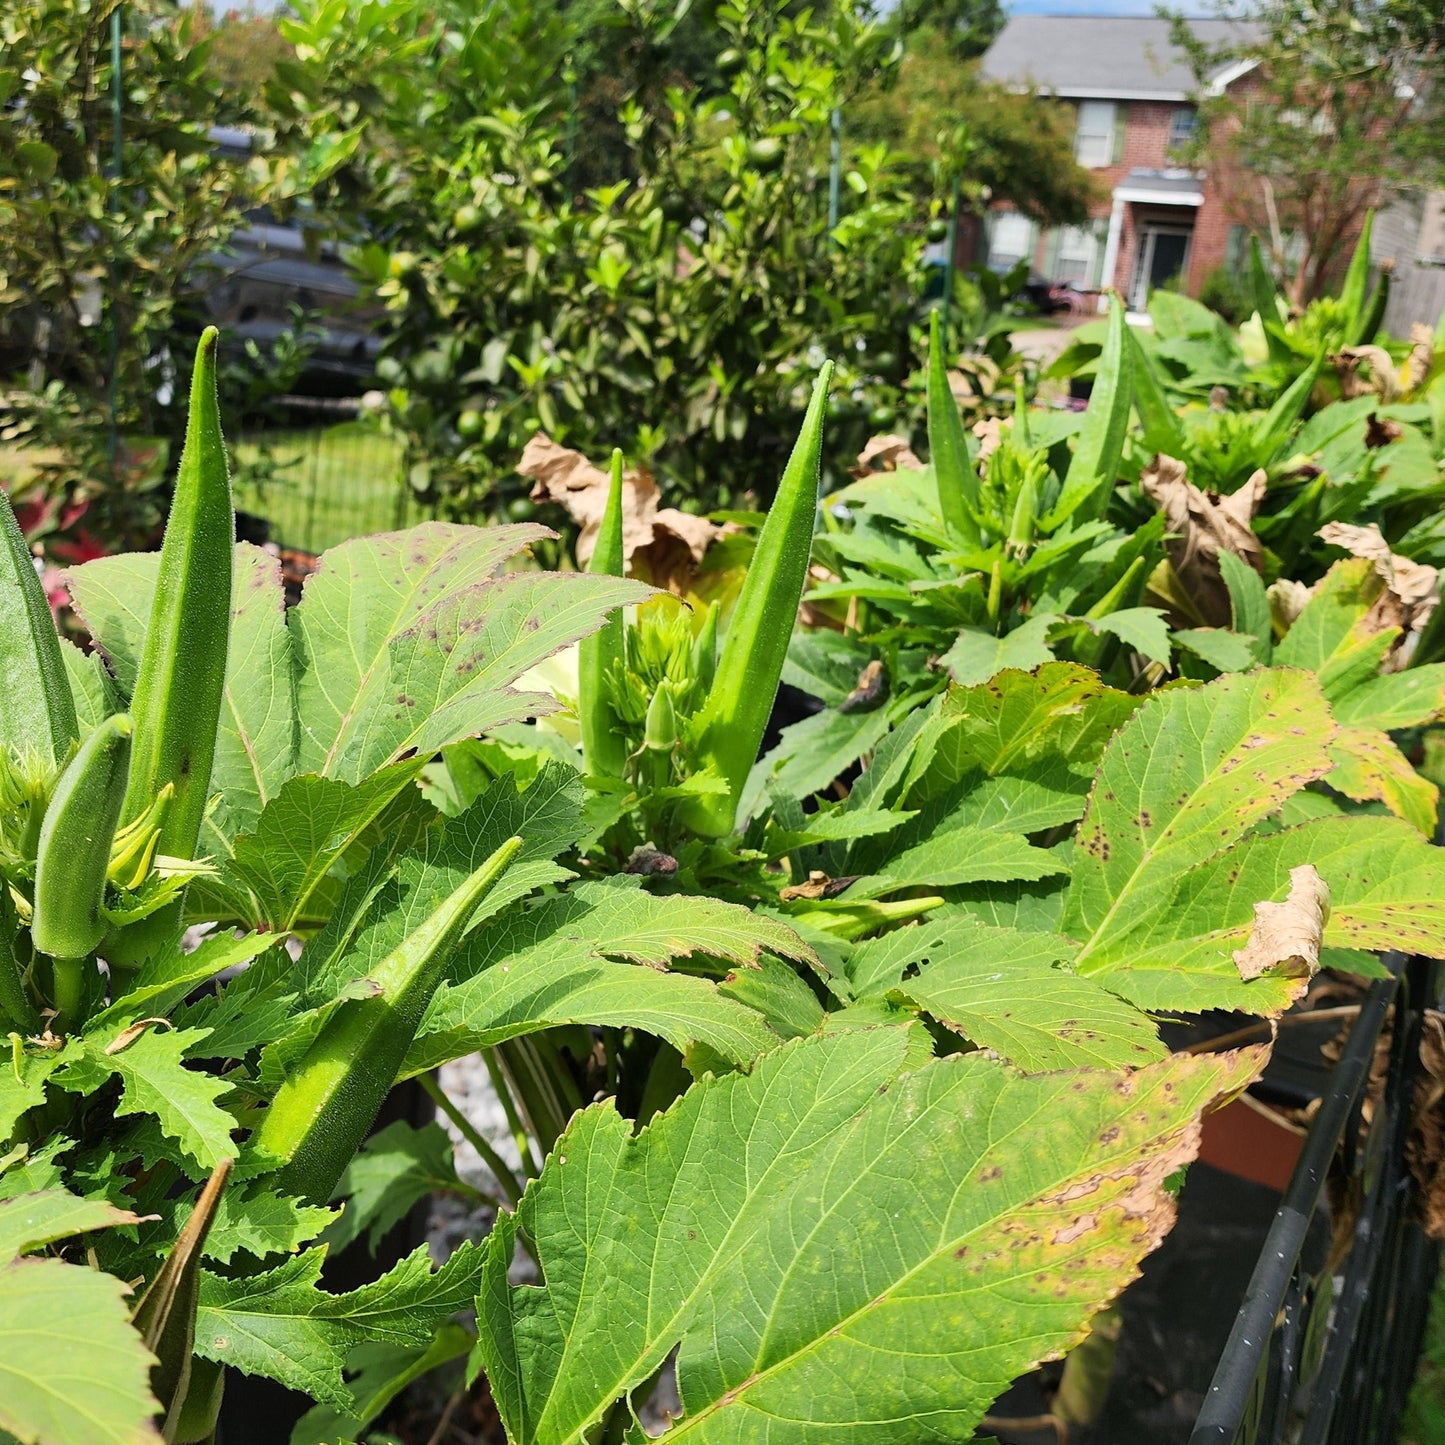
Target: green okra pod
column 1373, row 314
column 73, row 860
column 322, row 1111
column 604, row 747
column 1278, row 422
column 178, row 693
column 729, row 727
column 1262, row 287
column 953, row 469
column 1357, row 278
column 37, row 710
column 1162, row 431
column 1094, row 467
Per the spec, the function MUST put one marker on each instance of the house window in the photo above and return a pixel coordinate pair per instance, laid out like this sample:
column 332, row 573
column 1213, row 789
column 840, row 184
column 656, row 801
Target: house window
column 1079, row 256
column 1183, row 127
column 1010, row 239
column 1094, row 139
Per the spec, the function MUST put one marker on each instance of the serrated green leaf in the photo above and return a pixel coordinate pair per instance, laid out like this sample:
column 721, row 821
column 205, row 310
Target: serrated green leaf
column 408, row 642
column 1368, row 766
column 1248, row 602
column 156, row 1082
column 72, row 1370
column 300, row 835
column 779, row 994
column 1184, row 779
column 254, row 1219
column 1219, row 647
column 1398, row 700
column 554, row 964
column 22, row 1086
column 396, row 1167
column 977, row 656
column 284, row 1326
column 957, row 855
column 960, row 1220
column 1000, row 988
column 31, row 1220
column 1329, row 638
column 90, row 685
column 382, row 1373
column 1142, row 628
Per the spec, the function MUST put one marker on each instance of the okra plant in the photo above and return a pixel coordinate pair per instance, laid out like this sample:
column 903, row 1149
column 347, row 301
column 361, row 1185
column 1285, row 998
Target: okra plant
column 907, row 1043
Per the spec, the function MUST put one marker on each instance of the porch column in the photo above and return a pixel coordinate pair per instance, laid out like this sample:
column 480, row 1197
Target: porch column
column 1111, row 248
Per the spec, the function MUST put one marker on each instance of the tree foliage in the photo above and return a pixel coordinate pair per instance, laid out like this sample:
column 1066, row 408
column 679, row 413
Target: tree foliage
column 1342, row 110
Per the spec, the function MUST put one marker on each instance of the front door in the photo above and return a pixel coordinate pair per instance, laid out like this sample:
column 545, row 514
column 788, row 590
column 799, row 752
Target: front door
column 1163, row 255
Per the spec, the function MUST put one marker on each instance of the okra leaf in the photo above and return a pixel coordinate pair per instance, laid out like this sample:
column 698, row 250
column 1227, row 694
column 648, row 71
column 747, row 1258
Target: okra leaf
column 156, row 1082
column 72, row 1370
column 382, row 1373
column 395, row 1169
column 954, row 855
column 284, row 1326
column 254, row 1219
column 555, row 963
column 810, row 754
column 90, row 685
column 968, row 1222
column 408, row 641
column 1222, row 649
column 1142, row 628
column 389, row 897
column 34, row 1220
column 1249, row 603
column 977, row 656
column 300, row 834
column 1001, row 988
column 22, row 1083
column 1368, row 767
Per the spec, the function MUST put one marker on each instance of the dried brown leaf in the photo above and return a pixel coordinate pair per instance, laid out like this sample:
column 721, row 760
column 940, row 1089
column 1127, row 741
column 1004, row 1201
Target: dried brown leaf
column 1286, row 936
column 1411, row 592
column 885, row 454
column 1203, row 525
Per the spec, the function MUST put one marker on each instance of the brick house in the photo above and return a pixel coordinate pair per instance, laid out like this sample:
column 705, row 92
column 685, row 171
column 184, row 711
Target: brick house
column 1155, row 221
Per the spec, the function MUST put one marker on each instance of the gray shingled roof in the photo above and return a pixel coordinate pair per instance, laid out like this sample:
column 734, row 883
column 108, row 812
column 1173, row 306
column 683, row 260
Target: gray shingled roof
column 1099, row 57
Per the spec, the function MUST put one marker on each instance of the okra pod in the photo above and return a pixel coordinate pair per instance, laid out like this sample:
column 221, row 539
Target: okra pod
column 1374, row 312
column 1162, row 432
column 729, row 726
column 953, row 471
column 1352, row 293
column 73, row 860
column 1262, row 285
column 182, row 675
column 37, row 710
column 322, row 1111
column 1278, row 422
column 604, row 748
column 1094, row 467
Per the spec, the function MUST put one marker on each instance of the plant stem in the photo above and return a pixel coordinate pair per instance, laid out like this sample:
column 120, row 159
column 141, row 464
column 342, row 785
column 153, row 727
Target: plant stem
column 501, row 1171
column 520, row 1137
column 14, row 1003
column 69, row 975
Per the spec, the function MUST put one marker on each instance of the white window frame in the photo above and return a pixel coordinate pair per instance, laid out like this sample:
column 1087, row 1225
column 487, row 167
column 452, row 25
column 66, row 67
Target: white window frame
column 1079, row 256
column 1181, row 135
column 1005, row 221
column 1093, row 139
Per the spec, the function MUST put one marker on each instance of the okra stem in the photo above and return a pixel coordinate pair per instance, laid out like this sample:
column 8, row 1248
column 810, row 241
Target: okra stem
column 501, row 1170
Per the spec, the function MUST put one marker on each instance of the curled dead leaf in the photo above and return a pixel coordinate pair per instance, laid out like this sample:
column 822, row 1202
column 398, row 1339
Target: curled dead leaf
column 1203, row 525
column 885, row 454
column 1381, row 378
column 989, row 432
column 1287, row 599
column 128, row 1035
column 1421, row 357
column 872, row 688
column 1411, row 592
column 662, row 544
column 1381, row 431
column 819, row 885
column 1285, row 939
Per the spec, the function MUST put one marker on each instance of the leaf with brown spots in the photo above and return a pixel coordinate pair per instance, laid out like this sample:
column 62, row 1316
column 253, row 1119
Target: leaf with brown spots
column 1180, row 785
column 847, row 1201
